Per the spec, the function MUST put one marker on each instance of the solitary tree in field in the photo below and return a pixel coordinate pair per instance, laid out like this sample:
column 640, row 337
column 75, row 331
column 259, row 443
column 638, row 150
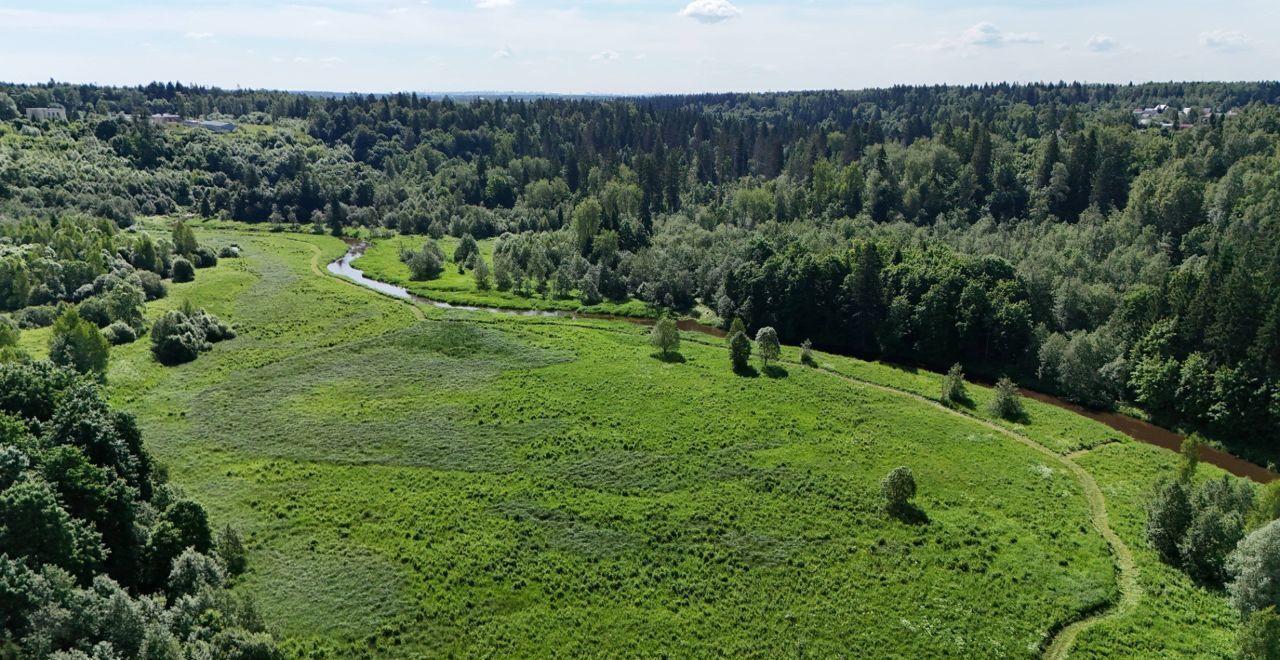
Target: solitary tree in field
column 78, row 344
column 184, row 240
column 898, row 488
column 953, row 385
column 739, row 350
column 767, row 341
column 665, row 335
column 734, row 328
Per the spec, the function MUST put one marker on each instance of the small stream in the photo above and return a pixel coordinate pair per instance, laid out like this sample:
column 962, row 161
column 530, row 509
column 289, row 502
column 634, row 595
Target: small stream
column 1135, row 428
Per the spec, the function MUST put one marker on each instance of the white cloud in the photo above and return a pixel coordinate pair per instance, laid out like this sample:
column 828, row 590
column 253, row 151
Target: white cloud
column 1225, row 40
column 1101, row 43
column 983, row 35
column 606, row 55
column 493, row 4
column 503, row 53
column 199, row 35
column 711, row 11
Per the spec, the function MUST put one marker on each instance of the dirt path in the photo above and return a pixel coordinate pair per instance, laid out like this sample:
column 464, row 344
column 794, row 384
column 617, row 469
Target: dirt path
column 1127, row 572
column 1059, row 644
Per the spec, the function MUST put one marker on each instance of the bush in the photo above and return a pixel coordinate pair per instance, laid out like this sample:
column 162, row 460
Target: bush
column 1007, row 403
column 94, row 310
column 119, row 333
column 953, row 391
column 426, row 263
column 8, row 332
column 204, row 257
column 229, row 252
column 231, row 550
column 1217, row 525
column 1254, row 568
column 182, row 271
column 182, row 334
column 898, row 487
column 806, row 353
column 176, row 339
column 152, row 285
column 739, row 350
column 37, row 317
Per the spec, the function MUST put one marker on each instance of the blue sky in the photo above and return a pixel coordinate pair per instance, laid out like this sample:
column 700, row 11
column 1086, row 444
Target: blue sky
column 633, row 46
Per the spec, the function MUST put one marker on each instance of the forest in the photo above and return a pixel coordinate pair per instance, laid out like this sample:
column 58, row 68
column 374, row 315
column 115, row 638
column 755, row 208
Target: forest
column 332, row 473
column 1035, row 231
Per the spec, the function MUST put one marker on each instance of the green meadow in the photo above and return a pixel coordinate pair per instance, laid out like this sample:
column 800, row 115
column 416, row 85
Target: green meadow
column 416, row 482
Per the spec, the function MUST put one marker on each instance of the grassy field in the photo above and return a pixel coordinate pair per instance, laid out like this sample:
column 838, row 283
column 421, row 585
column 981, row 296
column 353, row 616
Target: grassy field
column 479, row 485
column 382, row 262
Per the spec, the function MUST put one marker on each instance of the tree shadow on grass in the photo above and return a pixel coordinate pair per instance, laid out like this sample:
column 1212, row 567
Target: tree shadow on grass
column 775, row 371
column 909, row 514
column 669, row 358
column 746, row 371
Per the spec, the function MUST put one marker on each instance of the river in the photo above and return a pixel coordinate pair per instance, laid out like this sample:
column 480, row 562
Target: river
column 1134, row 428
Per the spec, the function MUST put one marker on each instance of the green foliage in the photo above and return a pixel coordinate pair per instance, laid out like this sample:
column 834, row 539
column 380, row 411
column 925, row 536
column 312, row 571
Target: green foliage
column 182, row 334
column 124, row 305
column 1168, row 517
column 1260, row 637
column 1006, row 402
column 231, row 550
column 182, row 270
column 1254, row 568
column 897, row 488
column 1267, row 506
column 119, row 333
column 77, row 343
column 806, row 353
column 425, row 263
column 1190, row 452
column 184, row 239
column 1217, row 525
column 953, row 390
column 665, row 336
column 739, row 351
column 767, row 342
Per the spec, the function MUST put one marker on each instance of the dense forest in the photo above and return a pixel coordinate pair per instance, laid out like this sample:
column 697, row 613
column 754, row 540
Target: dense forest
column 1037, row 231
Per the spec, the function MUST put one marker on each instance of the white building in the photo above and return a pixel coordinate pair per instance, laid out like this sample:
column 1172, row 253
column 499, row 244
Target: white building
column 165, row 118
column 43, row 114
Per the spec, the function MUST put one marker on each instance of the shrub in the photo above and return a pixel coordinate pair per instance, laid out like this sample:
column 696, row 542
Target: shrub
column 229, row 252
column 806, row 353
column 767, row 342
column 182, row 271
column 194, row 571
column 467, row 248
column 8, row 332
column 204, row 257
column 77, row 343
column 119, row 333
column 152, row 285
column 665, row 335
column 953, row 391
column 481, row 274
column 1190, row 451
column 124, row 305
column 734, row 328
column 739, row 350
column 898, row 487
column 37, row 317
column 231, row 550
column 1254, row 568
column 94, row 310
column 426, row 263
column 1217, row 525
column 176, row 339
column 1007, row 403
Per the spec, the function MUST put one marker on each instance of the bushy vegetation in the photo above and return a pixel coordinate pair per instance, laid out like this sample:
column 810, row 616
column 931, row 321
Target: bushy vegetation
column 99, row 555
column 181, row 335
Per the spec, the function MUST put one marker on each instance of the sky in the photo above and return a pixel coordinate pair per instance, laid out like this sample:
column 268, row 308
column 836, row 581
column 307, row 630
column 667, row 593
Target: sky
column 633, row 46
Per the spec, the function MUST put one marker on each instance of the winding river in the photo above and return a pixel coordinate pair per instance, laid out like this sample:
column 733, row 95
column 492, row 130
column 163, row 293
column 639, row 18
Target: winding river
column 1135, row 428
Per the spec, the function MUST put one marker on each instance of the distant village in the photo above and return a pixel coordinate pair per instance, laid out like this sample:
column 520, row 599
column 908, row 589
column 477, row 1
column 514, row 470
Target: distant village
column 162, row 119
column 1162, row 116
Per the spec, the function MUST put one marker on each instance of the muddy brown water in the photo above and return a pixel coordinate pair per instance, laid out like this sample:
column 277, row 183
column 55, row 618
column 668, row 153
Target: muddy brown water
column 1134, row 428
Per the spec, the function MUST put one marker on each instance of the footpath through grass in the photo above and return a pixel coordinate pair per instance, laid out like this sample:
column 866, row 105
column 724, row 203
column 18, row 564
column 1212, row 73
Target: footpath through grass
column 475, row 484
